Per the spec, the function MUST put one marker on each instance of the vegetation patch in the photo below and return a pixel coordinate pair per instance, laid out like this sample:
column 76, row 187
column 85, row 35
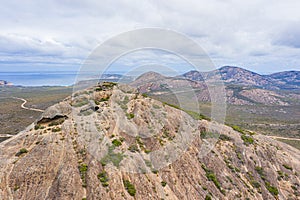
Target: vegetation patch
column 116, row 142
column 280, row 176
column 56, row 129
column 261, row 173
column 272, row 189
column 163, row 183
column 133, row 148
column 287, row 167
column 140, row 143
column 145, row 95
column 129, row 187
column 105, row 86
column 83, row 171
column 57, row 122
column 206, row 135
column 38, row 126
column 113, row 157
column 238, row 129
column 225, row 137
column 103, row 99
column 21, row 151
column 247, row 139
column 103, row 178
column 80, row 102
column 129, row 115
column 252, row 181
column 208, row 197
column 212, row 177
column 194, row 115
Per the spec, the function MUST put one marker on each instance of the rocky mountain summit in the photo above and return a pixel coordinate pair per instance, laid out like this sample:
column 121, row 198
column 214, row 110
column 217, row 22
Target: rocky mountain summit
column 111, row 142
column 239, row 76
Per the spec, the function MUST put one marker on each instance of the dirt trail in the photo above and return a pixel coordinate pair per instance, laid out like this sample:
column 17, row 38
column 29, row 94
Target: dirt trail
column 285, row 138
column 27, row 108
column 5, row 135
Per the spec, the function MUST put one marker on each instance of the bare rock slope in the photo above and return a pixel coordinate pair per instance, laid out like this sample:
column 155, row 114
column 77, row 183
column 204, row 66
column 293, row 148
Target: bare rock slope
column 110, row 142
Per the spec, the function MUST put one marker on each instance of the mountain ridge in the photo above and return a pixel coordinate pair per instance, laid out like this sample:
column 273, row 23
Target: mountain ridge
column 241, row 76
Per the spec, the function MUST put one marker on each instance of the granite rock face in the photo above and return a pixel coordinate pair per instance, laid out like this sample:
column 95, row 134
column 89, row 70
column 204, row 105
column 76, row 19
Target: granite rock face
column 134, row 147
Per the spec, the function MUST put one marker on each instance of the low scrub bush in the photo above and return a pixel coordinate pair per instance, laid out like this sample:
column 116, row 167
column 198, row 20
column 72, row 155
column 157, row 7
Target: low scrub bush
column 247, row 139
column 103, row 178
column 129, row 187
column 21, row 151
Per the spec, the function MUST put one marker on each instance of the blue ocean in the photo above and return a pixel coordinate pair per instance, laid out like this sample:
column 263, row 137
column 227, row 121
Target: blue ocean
column 60, row 78
column 49, row 78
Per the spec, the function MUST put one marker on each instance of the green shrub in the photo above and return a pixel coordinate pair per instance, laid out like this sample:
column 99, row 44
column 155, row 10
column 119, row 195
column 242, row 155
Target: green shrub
column 16, row 187
column 287, row 167
column 272, row 189
column 156, row 106
column 113, row 157
column 56, row 129
column 196, row 116
column 83, row 170
column 238, row 129
column 148, row 163
column 80, row 102
column 171, row 105
column 116, row 142
column 21, row 151
column 147, row 151
column 163, row 183
column 129, row 115
column 212, row 177
column 208, row 197
column 57, row 122
column 225, row 137
column 255, row 184
column 260, row 171
column 37, row 126
column 104, row 99
column 129, row 187
column 239, row 155
column 133, row 148
column 280, row 175
column 247, row 139
column 103, row 178
column 206, row 135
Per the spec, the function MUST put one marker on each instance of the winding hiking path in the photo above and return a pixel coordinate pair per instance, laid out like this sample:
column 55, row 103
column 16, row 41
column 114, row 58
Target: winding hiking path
column 5, row 135
column 284, row 138
column 27, row 108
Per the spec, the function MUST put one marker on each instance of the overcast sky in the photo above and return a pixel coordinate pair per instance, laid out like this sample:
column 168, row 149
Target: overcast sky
column 260, row 35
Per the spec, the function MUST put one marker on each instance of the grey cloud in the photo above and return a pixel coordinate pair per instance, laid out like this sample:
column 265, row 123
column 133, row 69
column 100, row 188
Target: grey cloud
column 289, row 37
column 231, row 31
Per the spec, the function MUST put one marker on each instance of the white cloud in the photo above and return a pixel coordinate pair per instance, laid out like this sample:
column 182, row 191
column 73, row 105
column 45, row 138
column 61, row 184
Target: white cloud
column 255, row 34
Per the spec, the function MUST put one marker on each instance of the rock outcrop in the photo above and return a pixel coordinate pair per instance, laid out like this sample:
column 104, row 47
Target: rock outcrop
column 134, row 147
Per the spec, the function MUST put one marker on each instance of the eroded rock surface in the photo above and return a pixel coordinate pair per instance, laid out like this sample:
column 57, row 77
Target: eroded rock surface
column 134, row 147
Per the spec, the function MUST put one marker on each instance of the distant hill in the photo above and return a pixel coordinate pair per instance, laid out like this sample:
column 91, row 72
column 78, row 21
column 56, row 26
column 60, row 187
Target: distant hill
column 239, row 76
column 289, row 79
column 242, row 87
